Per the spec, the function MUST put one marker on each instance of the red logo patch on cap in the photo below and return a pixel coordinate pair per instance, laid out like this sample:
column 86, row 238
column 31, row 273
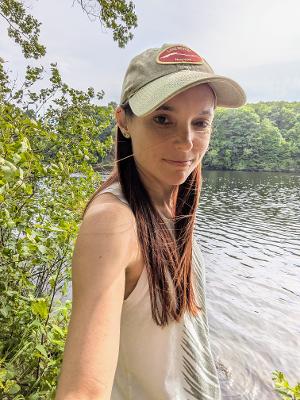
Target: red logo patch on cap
column 178, row 55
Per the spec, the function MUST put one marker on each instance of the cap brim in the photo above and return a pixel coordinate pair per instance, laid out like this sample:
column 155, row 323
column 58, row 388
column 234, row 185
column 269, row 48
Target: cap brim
column 228, row 92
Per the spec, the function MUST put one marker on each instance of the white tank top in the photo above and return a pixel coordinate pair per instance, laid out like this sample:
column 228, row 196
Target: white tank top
column 170, row 363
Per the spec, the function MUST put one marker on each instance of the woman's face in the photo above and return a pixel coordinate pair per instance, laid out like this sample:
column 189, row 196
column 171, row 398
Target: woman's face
column 179, row 130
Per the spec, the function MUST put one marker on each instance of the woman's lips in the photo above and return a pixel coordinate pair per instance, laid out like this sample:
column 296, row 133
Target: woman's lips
column 179, row 163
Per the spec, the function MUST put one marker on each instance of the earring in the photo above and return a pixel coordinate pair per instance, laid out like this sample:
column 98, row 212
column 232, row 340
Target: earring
column 125, row 134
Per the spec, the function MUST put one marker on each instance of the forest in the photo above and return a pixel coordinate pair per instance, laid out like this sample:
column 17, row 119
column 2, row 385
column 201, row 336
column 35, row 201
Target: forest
column 262, row 136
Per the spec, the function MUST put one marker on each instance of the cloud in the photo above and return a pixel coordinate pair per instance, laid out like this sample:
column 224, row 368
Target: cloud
column 268, row 82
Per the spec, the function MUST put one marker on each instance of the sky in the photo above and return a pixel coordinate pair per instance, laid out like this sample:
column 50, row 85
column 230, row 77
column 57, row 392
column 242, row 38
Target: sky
column 256, row 43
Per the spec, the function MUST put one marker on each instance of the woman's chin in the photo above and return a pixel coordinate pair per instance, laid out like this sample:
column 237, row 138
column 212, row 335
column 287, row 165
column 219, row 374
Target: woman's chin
column 178, row 178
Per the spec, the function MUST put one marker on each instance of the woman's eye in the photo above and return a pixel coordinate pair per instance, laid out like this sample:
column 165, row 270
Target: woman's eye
column 161, row 120
column 202, row 124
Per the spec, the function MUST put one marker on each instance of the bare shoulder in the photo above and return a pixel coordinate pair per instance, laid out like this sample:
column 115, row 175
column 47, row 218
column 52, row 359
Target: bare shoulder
column 107, row 231
column 107, row 214
column 107, row 205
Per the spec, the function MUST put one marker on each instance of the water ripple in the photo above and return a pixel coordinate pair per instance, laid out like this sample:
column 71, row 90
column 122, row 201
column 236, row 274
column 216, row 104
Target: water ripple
column 248, row 226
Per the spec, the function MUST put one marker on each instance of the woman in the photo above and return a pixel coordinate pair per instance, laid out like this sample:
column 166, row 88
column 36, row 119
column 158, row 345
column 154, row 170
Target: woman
column 138, row 328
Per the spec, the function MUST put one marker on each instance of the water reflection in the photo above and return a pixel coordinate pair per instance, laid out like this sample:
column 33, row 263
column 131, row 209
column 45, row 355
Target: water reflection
column 248, row 227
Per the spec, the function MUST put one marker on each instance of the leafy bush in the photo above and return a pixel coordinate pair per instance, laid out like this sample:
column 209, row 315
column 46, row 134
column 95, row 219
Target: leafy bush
column 46, row 176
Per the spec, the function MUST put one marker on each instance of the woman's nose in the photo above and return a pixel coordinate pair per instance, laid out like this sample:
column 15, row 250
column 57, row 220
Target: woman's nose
column 184, row 139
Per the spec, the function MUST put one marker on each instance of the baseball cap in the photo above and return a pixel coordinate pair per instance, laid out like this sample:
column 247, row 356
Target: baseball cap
column 158, row 74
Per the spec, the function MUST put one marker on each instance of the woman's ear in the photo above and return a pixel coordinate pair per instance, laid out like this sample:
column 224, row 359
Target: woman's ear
column 121, row 119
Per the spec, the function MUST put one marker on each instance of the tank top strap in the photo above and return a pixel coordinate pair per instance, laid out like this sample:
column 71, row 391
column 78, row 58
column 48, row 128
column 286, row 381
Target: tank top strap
column 114, row 188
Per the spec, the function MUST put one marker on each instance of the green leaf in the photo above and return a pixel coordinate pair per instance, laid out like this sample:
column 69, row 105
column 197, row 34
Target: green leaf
column 42, row 350
column 43, row 249
column 5, row 311
column 16, row 158
column 21, row 173
column 58, row 330
column 39, row 307
column 15, row 388
column 3, row 374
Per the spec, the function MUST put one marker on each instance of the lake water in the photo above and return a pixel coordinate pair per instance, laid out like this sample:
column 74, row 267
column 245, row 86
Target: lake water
column 248, row 227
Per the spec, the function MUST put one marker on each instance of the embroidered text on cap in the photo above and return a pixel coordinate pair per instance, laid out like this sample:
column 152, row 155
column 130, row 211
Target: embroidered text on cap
column 178, row 55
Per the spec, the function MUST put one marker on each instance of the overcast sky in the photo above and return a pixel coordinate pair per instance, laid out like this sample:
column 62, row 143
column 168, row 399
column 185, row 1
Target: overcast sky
column 256, row 42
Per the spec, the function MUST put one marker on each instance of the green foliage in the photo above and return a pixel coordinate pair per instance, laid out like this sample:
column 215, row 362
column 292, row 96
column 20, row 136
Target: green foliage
column 24, row 29
column 284, row 389
column 262, row 136
column 117, row 15
column 46, row 138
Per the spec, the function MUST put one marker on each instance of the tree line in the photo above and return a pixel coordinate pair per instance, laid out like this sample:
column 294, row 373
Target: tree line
column 263, row 136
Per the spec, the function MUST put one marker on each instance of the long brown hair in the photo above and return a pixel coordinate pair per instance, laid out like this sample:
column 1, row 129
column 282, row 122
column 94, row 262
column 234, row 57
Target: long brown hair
column 168, row 259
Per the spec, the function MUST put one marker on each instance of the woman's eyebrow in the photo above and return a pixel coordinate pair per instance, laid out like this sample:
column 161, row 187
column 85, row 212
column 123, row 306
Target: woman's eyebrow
column 170, row 108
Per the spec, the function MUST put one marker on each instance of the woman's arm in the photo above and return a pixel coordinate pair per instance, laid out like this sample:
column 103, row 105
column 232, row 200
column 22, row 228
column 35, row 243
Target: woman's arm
column 102, row 252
